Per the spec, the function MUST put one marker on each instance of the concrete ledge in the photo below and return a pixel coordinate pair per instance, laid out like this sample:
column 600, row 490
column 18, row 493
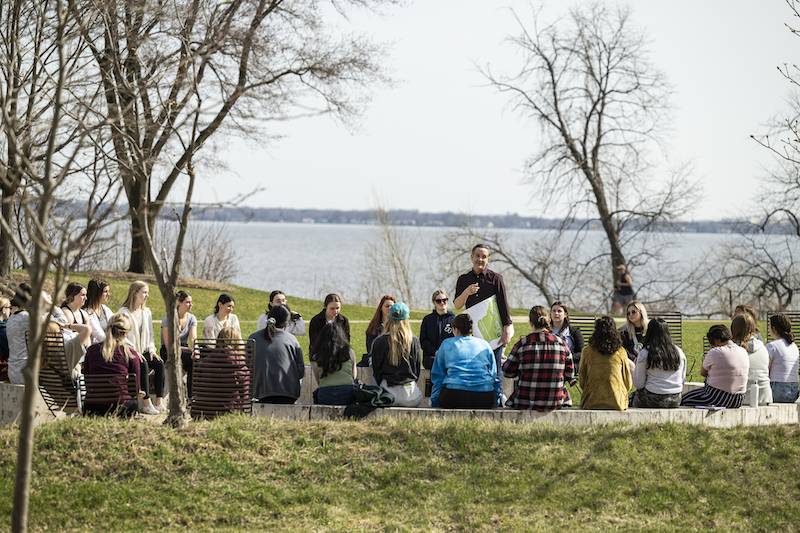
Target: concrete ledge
column 773, row 414
column 11, row 397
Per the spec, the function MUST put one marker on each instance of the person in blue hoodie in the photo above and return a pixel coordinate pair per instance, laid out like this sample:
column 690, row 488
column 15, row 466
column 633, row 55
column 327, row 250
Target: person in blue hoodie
column 464, row 372
column 435, row 328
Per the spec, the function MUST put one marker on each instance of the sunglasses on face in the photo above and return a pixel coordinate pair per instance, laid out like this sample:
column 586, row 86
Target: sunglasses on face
column 632, row 312
column 441, row 300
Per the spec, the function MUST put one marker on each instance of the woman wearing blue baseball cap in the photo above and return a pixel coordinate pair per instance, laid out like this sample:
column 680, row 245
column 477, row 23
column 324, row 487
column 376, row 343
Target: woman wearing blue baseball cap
column 396, row 359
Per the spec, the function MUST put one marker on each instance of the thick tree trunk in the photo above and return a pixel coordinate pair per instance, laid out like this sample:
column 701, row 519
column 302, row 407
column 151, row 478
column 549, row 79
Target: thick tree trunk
column 178, row 415
column 139, row 259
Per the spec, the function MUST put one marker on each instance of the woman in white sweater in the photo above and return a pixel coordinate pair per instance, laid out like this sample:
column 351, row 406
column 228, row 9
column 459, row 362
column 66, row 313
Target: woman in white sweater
column 743, row 330
column 223, row 317
column 143, row 339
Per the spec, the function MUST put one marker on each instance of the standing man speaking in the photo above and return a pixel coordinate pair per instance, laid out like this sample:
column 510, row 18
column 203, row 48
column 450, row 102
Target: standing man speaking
column 479, row 284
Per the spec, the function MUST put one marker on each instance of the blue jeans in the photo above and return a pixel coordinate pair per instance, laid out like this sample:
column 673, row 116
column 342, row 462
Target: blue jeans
column 783, row 392
column 338, row 395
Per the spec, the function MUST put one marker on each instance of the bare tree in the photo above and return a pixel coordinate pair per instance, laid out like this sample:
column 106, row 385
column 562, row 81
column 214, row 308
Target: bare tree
column 46, row 126
column 388, row 257
column 601, row 106
column 226, row 65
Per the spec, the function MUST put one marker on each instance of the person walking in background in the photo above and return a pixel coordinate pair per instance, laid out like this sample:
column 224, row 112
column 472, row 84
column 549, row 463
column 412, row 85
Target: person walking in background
column 743, row 331
column 605, row 376
column 279, row 365
column 223, row 317
column 783, row 360
column 142, row 338
column 543, row 364
column 377, row 325
column 660, row 370
column 479, row 284
column 623, row 289
column 396, row 359
column 331, row 312
column 296, row 327
column 725, row 368
column 97, row 293
column 436, row 327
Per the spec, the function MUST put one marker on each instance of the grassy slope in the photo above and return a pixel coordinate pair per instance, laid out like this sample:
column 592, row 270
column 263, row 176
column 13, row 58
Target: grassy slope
column 255, row 474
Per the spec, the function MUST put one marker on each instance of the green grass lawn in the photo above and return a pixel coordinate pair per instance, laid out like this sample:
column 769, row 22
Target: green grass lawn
column 256, row 474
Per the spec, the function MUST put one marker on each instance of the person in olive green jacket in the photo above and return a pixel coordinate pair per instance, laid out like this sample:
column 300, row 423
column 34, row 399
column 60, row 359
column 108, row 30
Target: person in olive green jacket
column 604, row 374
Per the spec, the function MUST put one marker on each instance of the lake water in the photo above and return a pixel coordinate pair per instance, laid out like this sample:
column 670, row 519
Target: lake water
column 312, row 260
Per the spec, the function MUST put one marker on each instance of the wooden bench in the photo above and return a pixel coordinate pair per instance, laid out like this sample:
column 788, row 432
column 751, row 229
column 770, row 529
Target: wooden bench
column 223, row 377
column 585, row 324
column 59, row 391
column 107, row 389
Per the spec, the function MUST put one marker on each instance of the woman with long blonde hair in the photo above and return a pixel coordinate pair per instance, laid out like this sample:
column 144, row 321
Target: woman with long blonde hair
column 634, row 329
column 142, row 336
column 396, row 359
column 113, row 357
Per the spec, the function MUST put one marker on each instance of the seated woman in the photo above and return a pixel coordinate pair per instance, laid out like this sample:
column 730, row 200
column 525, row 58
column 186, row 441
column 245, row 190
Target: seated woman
column 725, row 368
column 332, row 307
column 334, row 367
column 114, row 356
column 435, row 328
column 72, row 306
column 377, row 325
column 543, row 364
column 143, row 339
column 187, row 334
column 97, row 293
column 296, row 325
column 604, row 376
column 747, row 309
column 783, row 360
column 223, row 317
column 464, row 373
column 559, row 320
column 743, row 331
column 224, row 364
column 279, row 365
column 634, row 329
column 396, row 359
column 660, row 370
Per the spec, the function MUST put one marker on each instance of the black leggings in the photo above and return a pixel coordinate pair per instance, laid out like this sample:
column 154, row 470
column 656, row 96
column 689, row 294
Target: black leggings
column 466, row 399
column 158, row 381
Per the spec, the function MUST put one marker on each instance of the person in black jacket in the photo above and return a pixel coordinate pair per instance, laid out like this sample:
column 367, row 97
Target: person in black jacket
column 330, row 313
column 559, row 320
column 435, row 328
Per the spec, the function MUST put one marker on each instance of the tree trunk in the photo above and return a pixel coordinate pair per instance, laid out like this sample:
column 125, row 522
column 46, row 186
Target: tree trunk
column 6, row 248
column 139, row 259
column 178, row 416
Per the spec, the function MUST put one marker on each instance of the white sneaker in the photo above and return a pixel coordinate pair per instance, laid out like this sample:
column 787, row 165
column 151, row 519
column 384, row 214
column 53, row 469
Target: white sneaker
column 161, row 408
column 150, row 410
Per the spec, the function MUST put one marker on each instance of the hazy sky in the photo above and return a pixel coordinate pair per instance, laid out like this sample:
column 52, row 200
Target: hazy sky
column 436, row 140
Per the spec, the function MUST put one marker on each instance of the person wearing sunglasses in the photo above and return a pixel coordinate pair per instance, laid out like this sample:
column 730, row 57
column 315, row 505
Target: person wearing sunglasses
column 634, row 329
column 435, row 328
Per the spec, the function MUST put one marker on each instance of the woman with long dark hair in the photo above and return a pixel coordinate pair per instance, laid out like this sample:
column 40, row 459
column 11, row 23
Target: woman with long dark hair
column 543, row 364
column 377, row 325
column 187, row 334
column 660, row 370
column 97, row 293
column 571, row 335
column 725, row 368
column 604, row 376
column 783, row 360
column 331, row 312
column 396, row 359
column 464, row 373
column 223, row 317
column 279, row 365
column 334, row 367
column 296, row 327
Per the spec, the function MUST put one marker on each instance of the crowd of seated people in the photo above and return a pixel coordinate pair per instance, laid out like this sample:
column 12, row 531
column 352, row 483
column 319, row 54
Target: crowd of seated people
column 636, row 364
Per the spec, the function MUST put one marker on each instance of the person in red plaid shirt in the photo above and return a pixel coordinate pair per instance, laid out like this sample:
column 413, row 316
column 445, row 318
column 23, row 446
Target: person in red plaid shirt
column 543, row 364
